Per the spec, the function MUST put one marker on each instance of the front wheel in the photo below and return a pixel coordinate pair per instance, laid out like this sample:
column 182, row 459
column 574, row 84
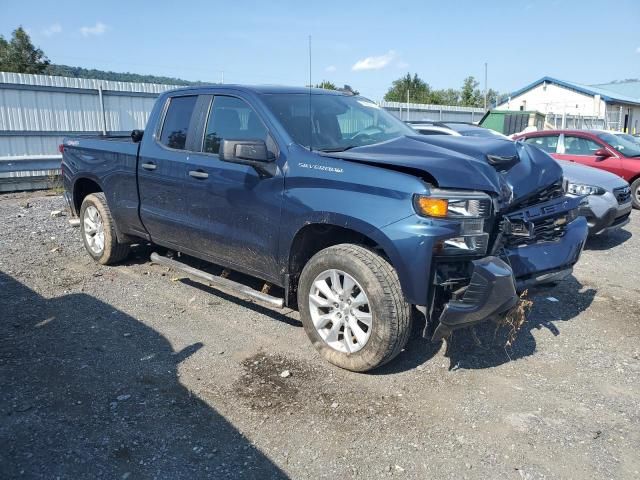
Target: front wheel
column 635, row 193
column 352, row 307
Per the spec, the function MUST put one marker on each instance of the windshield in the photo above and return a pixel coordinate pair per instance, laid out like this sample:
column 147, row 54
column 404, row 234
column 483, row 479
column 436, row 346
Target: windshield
column 338, row 122
column 628, row 137
column 624, row 146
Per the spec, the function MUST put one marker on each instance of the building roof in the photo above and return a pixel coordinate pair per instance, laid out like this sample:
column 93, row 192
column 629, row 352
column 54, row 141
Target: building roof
column 607, row 94
column 628, row 88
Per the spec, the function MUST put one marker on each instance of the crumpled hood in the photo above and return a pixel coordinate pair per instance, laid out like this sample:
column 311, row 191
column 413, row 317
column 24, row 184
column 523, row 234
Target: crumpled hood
column 462, row 162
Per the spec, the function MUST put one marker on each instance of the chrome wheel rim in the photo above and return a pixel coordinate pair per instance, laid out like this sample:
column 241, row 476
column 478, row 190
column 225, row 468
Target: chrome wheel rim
column 93, row 229
column 637, row 194
column 340, row 311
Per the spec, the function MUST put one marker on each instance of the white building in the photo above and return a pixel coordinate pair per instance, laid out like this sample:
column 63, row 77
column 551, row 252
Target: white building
column 616, row 105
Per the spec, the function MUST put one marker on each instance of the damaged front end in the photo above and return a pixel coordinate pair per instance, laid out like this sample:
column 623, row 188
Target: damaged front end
column 527, row 242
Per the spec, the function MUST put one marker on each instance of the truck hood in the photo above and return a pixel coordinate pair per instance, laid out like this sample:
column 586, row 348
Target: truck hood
column 513, row 170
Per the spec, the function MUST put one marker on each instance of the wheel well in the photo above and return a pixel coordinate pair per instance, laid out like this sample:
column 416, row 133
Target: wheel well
column 315, row 237
column 634, row 179
column 81, row 189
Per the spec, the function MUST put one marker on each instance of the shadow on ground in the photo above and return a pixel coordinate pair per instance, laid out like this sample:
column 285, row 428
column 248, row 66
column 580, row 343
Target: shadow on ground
column 608, row 240
column 90, row 392
column 484, row 347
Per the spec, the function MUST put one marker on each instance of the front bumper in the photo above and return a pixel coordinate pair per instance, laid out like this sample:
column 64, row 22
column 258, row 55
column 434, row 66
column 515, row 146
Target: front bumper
column 604, row 213
column 491, row 292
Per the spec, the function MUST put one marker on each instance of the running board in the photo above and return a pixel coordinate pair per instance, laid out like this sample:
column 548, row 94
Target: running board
column 221, row 282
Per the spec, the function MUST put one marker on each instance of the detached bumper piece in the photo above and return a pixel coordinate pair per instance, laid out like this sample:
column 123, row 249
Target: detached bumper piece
column 490, row 293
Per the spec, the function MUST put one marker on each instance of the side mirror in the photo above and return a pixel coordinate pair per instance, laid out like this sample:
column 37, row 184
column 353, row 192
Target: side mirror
column 602, row 153
column 136, row 135
column 249, row 152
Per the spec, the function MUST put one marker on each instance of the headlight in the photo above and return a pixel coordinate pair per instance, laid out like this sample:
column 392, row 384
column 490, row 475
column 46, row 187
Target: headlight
column 467, row 209
column 452, row 204
column 582, row 189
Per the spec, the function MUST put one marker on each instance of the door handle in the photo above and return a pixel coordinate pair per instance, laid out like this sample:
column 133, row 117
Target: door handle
column 198, row 174
column 149, row 166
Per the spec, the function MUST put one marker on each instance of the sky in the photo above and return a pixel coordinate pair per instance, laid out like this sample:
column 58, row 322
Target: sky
column 364, row 44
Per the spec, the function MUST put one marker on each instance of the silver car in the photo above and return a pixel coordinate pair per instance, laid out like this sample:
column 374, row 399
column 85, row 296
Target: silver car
column 608, row 196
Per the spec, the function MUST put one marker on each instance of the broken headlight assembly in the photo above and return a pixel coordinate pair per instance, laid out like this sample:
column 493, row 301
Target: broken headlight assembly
column 469, row 210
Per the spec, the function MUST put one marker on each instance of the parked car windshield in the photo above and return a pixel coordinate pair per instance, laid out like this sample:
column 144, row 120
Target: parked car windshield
column 336, row 123
column 628, row 137
column 624, row 146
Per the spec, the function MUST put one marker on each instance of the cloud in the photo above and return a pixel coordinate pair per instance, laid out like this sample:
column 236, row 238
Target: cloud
column 330, row 68
column 52, row 30
column 98, row 29
column 374, row 63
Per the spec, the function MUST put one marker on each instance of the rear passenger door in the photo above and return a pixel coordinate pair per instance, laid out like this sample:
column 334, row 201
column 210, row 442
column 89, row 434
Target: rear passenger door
column 548, row 143
column 234, row 213
column 162, row 173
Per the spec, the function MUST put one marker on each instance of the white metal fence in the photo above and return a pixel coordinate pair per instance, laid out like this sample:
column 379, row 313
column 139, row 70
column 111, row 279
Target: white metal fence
column 37, row 111
column 439, row 113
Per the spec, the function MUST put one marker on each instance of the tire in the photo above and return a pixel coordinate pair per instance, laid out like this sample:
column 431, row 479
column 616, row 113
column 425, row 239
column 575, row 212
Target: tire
column 104, row 249
column 389, row 313
column 635, row 193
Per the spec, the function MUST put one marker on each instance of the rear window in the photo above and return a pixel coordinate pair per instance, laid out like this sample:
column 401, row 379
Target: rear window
column 176, row 122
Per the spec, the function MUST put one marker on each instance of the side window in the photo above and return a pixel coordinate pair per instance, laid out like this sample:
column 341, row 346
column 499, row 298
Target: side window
column 176, row 121
column 579, row 146
column 231, row 118
column 548, row 143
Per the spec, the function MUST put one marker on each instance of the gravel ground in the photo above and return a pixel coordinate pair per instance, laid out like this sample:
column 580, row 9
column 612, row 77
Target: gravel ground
column 134, row 371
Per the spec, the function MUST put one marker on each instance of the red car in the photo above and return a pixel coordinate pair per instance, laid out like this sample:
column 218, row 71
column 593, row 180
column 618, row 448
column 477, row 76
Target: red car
column 595, row 148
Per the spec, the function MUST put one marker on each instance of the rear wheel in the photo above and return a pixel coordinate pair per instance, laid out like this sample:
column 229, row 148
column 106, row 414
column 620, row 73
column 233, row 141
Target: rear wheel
column 635, row 193
column 98, row 231
column 352, row 307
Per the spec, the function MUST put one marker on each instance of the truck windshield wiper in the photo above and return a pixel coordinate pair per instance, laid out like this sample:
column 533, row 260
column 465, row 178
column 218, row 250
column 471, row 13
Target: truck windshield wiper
column 337, row 149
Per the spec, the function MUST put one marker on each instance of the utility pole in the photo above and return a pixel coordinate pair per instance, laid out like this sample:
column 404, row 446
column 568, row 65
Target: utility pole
column 222, row 76
column 486, row 91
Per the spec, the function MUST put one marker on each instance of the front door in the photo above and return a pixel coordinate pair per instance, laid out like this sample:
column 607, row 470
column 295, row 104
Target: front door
column 582, row 150
column 234, row 212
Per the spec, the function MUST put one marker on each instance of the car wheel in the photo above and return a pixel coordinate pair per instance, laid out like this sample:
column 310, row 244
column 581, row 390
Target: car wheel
column 98, row 231
column 635, row 193
column 352, row 307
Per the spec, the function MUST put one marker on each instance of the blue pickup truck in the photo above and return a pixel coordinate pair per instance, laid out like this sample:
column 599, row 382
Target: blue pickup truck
column 359, row 221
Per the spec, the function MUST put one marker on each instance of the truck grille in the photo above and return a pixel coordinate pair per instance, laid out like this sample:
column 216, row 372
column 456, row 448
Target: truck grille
column 555, row 190
column 623, row 194
column 547, row 230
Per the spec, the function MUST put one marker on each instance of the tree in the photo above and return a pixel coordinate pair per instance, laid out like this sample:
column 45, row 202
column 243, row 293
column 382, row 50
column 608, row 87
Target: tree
column 449, row 96
column 419, row 91
column 470, row 95
column 20, row 55
column 327, row 85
